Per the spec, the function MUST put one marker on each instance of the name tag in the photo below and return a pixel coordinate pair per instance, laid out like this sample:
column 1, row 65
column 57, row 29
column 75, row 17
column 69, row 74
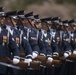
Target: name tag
column 4, row 39
column 17, row 40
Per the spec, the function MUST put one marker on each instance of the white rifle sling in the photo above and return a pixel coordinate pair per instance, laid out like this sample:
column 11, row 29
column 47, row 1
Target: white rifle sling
column 42, row 35
column 69, row 35
column 53, row 36
column 8, row 37
column 28, row 34
column 37, row 34
column 61, row 36
column 11, row 31
column 21, row 36
column 72, row 36
column 50, row 36
column 0, row 29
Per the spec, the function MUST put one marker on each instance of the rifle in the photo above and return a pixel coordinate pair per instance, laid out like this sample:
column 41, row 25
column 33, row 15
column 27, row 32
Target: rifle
column 55, row 63
column 42, row 59
column 7, row 62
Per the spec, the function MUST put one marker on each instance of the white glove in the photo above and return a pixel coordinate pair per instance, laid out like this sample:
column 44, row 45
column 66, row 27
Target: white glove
column 55, row 54
column 70, row 52
column 15, row 61
column 28, row 61
column 66, row 55
column 42, row 54
column 50, row 59
column 74, row 52
column 34, row 55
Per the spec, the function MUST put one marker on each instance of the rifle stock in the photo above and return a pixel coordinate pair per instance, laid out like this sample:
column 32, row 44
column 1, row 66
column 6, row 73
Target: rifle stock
column 56, row 57
column 6, row 60
column 42, row 59
column 62, row 59
column 22, row 54
column 35, row 65
column 72, row 57
column 56, row 63
column 22, row 65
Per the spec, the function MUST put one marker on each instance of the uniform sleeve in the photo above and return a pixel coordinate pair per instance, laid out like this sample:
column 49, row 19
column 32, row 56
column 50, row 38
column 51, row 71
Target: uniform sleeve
column 13, row 46
column 74, row 42
column 66, row 44
column 41, row 44
column 34, row 41
column 26, row 46
column 54, row 43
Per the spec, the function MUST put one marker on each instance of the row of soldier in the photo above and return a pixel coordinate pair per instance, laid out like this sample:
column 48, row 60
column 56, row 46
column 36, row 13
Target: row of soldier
column 26, row 33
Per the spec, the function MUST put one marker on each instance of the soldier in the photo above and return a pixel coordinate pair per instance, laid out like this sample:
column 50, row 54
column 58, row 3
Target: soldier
column 66, row 43
column 26, row 29
column 33, row 35
column 66, row 40
column 73, row 35
column 44, row 44
column 72, row 65
column 7, row 41
column 21, row 40
column 54, row 37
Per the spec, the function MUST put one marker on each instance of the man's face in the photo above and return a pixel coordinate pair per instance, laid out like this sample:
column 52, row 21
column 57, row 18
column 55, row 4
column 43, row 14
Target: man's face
column 62, row 27
column 38, row 25
column 23, row 21
column 8, row 21
column 2, row 20
column 74, row 27
column 32, row 22
column 14, row 21
column 66, row 27
column 57, row 26
column 49, row 26
column 44, row 26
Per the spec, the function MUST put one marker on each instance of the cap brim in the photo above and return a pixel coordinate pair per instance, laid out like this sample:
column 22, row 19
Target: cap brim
column 14, row 17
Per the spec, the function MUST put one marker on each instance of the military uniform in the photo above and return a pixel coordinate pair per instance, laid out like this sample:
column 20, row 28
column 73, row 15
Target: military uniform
column 72, row 65
column 7, row 41
column 66, row 43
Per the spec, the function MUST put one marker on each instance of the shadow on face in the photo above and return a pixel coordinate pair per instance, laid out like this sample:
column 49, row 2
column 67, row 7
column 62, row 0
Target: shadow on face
column 2, row 20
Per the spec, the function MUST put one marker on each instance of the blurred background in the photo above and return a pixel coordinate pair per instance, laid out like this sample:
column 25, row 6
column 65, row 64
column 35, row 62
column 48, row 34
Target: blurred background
column 63, row 8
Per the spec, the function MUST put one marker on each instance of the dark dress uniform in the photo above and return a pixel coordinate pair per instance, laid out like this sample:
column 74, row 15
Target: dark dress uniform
column 72, row 65
column 73, row 42
column 66, row 44
column 22, row 45
column 54, row 34
column 6, row 41
column 25, row 41
column 41, row 43
column 55, row 48
column 67, row 49
column 33, row 40
column 47, row 43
